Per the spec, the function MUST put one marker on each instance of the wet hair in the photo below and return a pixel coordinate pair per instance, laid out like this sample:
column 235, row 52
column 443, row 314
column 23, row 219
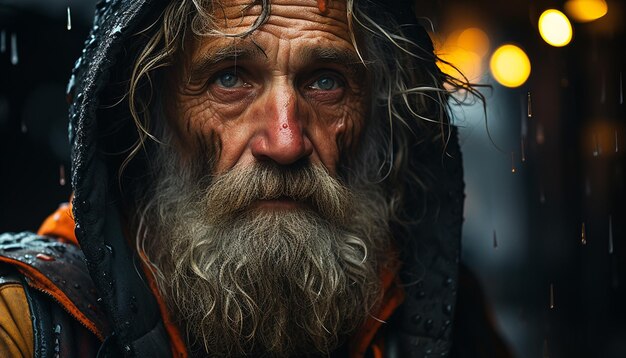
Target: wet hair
column 410, row 96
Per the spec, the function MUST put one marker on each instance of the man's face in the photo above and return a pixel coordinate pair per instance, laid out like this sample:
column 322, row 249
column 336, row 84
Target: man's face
column 273, row 112
column 293, row 89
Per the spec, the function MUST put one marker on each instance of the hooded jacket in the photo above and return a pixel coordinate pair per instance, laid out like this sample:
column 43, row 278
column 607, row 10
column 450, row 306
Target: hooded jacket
column 93, row 299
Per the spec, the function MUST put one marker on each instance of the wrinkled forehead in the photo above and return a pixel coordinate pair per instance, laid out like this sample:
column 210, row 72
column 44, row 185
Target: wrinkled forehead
column 230, row 16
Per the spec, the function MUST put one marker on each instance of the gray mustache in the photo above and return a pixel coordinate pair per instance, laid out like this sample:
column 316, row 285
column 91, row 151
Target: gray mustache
column 237, row 189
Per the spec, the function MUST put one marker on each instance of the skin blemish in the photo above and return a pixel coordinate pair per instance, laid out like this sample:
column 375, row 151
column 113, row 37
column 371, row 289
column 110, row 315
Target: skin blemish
column 321, row 4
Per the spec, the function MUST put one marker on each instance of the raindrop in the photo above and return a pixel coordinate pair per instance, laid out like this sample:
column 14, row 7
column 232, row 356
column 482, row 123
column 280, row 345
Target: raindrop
column 610, row 234
column 23, row 128
column 14, row 57
column 596, row 146
column 603, row 89
column 62, row 175
column 57, row 329
column 583, row 235
column 529, row 106
column 616, row 142
column 69, row 19
column 76, row 286
column 513, row 169
column 3, row 41
column 523, row 148
column 495, row 240
column 551, row 296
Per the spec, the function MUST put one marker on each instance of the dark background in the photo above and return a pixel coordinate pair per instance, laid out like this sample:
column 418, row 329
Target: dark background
column 573, row 173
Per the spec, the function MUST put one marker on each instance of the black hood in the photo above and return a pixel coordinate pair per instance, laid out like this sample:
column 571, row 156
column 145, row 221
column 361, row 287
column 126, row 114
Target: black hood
column 423, row 323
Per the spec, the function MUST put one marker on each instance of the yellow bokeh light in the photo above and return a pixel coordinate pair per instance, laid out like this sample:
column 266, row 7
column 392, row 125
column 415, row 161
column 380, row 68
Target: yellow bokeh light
column 555, row 28
column 510, row 66
column 462, row 53
column 475, row 40
column 586, row 10
column 460, row 62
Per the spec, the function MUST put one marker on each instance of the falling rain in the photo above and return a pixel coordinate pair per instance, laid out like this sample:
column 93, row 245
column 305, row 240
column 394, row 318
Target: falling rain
column 14, row 57
column 69, row 19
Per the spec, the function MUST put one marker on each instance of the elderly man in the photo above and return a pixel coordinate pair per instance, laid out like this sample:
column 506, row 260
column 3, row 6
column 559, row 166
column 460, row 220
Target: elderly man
column 262, row 178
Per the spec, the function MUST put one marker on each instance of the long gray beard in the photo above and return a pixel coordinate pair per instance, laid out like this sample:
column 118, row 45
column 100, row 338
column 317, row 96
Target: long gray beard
column 247, row 280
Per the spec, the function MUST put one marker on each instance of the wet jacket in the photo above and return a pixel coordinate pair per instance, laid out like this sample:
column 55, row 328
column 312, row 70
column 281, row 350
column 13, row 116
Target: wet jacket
column 78, row 275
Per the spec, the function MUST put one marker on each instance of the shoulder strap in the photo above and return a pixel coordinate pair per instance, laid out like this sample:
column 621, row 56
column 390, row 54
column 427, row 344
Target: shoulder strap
column 55, row 271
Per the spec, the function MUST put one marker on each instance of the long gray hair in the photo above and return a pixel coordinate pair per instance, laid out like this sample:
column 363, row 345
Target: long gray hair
column 409, row 100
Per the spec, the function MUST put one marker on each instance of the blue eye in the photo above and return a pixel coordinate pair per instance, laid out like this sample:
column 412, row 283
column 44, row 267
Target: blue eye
column 228, row 80
column 325, row 83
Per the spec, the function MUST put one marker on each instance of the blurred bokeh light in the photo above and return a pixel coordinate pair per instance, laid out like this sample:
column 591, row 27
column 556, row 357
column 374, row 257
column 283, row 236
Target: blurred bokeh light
column 510, row 66
column 586, row 10
column 555, row 28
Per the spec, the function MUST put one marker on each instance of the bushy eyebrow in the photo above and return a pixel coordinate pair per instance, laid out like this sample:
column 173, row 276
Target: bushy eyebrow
column 228, row 53
column 252, row 52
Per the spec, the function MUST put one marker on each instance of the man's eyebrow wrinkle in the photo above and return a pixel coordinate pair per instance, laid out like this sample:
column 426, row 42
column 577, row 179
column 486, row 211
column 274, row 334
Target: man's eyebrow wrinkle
column 227, row 53
column 344, row 57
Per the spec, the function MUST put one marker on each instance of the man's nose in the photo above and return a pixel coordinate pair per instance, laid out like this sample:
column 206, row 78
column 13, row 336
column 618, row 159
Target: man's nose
column 283, row 137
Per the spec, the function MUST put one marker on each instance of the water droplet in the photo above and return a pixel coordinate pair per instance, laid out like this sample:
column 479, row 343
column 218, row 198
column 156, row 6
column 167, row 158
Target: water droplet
column 23, row 128
column 285, row 125
column 14, row 56
column 57, row 329
column 116, row 30
column 513, row 168
column 44, row 257
column 69, row 19
column 523, row 149
column 583, row 235
column 551, row 296
column 56, row 217
column 610, row 234
column 109, row 248
column 76, row 286
column 495, row 240
column 3, row 41
column 447, row 309
column 62, row 175
column 127, row 348
column 596, row 146
column 530, row 106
